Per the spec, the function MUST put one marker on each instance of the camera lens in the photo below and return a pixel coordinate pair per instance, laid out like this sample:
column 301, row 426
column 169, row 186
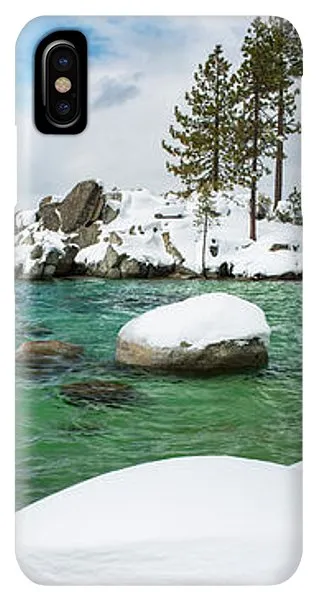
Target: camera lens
column 62, row 60
column 63, row 107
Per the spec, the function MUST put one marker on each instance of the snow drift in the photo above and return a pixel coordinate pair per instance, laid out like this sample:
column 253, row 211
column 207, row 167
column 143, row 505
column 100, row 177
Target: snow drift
column 191, row 520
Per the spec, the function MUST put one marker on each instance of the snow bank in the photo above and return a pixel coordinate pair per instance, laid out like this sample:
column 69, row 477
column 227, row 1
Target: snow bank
column 93, row 254
column 24, row 218
column 198, row 322
column 257, row 260
column 192, row 520
column 147, row 248
column 228, row 232
column 260, row 257
column 251, row 258
column 137, row 207
column 33, row 236
column 161, row 230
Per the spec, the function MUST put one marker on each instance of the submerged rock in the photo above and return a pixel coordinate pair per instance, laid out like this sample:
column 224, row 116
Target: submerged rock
column 36, row 330
column 213, row 333
column 113, row 394
column 47, row 348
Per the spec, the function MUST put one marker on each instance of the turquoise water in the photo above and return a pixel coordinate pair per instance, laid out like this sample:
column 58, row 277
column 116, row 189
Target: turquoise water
column 253, row 415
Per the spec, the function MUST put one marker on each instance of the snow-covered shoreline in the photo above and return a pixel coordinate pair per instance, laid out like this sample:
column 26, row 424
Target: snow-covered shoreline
column 133, row 233
column 188, row 520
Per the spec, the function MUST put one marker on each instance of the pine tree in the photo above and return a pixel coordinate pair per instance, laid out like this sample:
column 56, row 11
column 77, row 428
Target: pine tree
column 201, row 143
column 204, row 215
column 255, row 137
column 288, row 66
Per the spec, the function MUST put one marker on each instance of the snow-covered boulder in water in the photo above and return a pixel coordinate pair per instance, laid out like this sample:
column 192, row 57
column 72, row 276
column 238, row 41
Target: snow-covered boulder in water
column 211, row 333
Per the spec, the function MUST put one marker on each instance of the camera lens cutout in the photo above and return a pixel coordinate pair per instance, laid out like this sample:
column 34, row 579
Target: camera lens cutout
column 63, row 84
column 63, row 62
column 62, row 59
column 60, row 97
column 63, row 107
column 62, row 76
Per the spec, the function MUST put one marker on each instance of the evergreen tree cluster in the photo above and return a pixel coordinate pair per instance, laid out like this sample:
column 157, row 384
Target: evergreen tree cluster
column 236, row 123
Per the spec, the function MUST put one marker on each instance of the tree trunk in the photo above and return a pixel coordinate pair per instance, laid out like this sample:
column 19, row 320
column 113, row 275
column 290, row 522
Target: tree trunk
column 215, row 171
column 253, row 195
column 253, row 230
column 279, row 152
column 205, row 225
column 216, row 132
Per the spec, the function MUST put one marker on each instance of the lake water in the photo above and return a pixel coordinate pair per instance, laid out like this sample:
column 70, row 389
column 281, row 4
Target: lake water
column 254, row 415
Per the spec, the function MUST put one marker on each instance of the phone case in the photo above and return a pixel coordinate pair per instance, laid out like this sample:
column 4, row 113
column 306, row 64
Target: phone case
column 158, row 308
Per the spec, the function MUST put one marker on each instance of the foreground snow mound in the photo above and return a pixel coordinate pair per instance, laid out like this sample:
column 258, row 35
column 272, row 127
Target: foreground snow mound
column 213, row 332
column 193, row 520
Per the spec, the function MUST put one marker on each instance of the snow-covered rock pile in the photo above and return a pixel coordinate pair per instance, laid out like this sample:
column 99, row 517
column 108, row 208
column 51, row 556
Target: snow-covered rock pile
column 202, row 520
column 133, row 233
column 213, row 333
column 41, row 253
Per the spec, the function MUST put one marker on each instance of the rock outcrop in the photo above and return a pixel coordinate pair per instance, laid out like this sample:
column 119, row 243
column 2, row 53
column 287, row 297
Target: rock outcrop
column 171, row 249
column 82, row 206
column 213, row 333
column 131, row 268
column 48, row 214
column 45, row 262
column 108, row 214
column 117, row 234
column 65, row 263
column 87, row 235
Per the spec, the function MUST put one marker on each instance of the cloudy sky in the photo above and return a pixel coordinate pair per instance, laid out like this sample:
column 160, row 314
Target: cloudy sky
column 139, row 68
